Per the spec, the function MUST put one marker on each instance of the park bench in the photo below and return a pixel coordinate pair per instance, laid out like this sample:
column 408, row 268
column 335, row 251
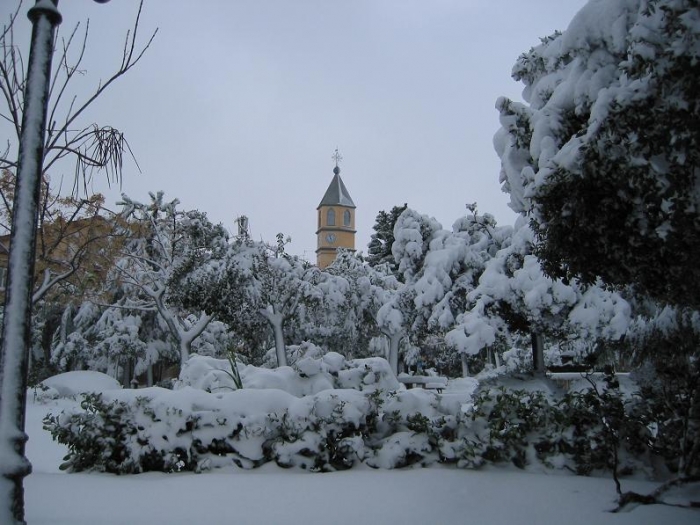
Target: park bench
column 436, row 383
column 565, row 379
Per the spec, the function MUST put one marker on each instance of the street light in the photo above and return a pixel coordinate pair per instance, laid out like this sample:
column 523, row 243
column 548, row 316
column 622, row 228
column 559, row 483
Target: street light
column 16, row 334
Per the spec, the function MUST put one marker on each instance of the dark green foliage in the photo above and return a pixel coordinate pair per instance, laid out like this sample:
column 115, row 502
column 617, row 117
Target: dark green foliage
column 323, row 444
column 604, row 429
column 512, row 421
column 592, row 431
column 90, row 437
column 379, row 248
column 100, row 438
column 670, row 387
column 627, row 209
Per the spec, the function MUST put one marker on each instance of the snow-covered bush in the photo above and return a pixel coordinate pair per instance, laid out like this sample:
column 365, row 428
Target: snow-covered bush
column 129, row 431
column 78, row 382
column 416, row 427
column 508, row 426
column 111, row 437
column 190, row 430
column 669, row 382
column 323, row 432
column 603, row 430
column 307, row 376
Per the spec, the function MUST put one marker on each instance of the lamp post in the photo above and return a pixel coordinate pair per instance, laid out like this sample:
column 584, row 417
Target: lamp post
column 16, row 334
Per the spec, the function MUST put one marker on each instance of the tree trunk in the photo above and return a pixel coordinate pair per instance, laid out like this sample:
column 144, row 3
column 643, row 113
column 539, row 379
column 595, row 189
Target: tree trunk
column 16, row 330
column 394, row 342
column 537, row 353
column 276, row 321
column 279, row 344
column 184, row 351
column 186, row 338
column 465, row 365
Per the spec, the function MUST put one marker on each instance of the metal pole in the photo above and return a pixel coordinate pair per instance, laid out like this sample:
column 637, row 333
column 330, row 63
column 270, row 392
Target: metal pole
column 16, row 334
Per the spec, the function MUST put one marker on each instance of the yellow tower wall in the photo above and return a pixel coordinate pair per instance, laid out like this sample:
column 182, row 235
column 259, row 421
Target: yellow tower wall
column 344, row 235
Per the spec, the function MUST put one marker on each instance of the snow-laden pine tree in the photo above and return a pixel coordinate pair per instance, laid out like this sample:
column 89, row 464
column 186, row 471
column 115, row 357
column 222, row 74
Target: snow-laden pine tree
column 412, row 235
column 352, row 291
column 382, row 240
column 439, row 269
column 451, row 270
column 515, row 296
column 604, row 155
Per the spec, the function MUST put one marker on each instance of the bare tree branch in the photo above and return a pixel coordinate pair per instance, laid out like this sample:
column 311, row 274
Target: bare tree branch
column 93, row 147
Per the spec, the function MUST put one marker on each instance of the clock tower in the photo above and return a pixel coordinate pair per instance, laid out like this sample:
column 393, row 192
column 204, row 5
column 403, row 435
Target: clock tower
column 336, row 219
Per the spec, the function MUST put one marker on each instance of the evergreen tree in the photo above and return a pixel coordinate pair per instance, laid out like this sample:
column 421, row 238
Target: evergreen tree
column 352, row 293
column 379, row 248
column 604, row 155
column 514, row 296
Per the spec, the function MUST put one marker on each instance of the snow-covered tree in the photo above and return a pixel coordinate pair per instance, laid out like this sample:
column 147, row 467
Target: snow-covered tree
column 412, row 235
column 133, row 322
column 127, row 342
column 439, row 268
column 451, row 270
column 352, row 291
column 604, row 154
column 515, row 296
column 284, row 284
column 603, row 158
column 118, row 345
column 413, row 232
column 161, row 239
column 382, row 240
column 245, row 282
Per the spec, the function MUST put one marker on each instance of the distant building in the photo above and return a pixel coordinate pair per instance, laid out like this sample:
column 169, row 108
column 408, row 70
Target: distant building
column 336, row 220
column 84, row 248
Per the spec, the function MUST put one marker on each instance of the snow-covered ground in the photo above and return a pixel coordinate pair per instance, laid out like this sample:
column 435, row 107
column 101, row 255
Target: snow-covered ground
column 270, row 495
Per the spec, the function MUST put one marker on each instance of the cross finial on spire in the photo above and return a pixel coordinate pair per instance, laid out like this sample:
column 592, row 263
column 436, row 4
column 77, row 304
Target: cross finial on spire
column 337, row 157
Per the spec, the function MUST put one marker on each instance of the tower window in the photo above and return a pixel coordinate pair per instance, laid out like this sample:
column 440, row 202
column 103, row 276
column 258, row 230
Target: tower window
column 330, row 217
column 346, row 218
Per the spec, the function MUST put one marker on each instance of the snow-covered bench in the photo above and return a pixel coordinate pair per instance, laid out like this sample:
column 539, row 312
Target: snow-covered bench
column 566, row 379
column 428, row 382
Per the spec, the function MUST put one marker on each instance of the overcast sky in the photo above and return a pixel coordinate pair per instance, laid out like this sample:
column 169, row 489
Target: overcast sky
column 239, row 105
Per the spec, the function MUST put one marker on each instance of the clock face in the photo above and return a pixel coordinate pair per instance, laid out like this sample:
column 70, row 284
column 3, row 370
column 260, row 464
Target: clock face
column 330, row 238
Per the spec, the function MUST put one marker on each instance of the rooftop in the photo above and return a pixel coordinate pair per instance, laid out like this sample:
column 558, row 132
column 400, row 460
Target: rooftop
column 337, row 194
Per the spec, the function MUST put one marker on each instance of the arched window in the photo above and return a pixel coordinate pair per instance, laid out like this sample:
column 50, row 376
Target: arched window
column 330, row 217
column 346, row 218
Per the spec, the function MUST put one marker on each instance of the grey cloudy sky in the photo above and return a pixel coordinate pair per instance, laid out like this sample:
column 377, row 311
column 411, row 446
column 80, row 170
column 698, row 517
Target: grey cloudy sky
column 238, row 105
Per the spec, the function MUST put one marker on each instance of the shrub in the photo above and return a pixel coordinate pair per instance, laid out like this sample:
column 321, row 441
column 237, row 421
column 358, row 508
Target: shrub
column 113, row 437
column 507, row 426
column 593, row 430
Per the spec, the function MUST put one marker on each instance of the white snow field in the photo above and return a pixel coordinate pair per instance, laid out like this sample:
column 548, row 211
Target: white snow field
column 271, row 495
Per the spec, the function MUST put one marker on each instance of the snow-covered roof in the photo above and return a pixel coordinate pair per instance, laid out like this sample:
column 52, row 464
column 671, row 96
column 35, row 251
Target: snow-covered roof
column 337, row 194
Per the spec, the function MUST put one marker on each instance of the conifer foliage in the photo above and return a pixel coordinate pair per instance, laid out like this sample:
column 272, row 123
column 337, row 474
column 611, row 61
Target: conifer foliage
column 379, row 249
